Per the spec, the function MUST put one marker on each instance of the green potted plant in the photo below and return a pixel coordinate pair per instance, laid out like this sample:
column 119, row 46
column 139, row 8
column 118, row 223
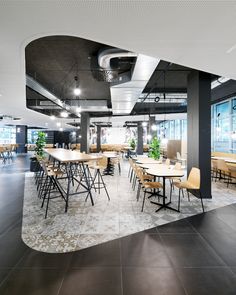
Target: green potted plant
column 132, row 144
column 39, row 152
column 154, row 149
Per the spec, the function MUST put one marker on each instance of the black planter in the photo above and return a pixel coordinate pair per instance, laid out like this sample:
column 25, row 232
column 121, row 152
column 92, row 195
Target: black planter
column 34, row 165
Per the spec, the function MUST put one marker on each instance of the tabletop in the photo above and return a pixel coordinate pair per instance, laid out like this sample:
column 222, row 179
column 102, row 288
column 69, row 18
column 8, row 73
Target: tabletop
column 226, row 159
column 147, row 161
column 68, row 156
column 110, row 154
column 165, row 172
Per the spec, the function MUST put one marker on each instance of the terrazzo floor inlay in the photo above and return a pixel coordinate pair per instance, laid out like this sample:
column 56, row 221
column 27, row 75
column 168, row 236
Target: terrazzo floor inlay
column 85, row 225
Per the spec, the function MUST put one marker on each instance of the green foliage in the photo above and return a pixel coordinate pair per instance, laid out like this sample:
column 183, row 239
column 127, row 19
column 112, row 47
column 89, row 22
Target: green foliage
column 154, row 149
column 40, row 144
column 132, row 143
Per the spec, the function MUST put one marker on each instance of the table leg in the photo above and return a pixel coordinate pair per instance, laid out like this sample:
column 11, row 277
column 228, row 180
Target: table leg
column 164, row 204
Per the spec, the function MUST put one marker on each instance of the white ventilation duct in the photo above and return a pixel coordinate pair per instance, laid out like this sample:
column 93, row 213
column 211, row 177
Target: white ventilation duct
column 125, row 95
column 104, row 58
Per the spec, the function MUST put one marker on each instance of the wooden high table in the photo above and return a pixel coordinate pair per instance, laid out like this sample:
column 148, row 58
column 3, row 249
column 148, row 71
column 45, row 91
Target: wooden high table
column 70, row 158
column 164, row 172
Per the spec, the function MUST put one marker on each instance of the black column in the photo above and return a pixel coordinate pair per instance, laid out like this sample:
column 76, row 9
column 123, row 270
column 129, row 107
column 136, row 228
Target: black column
column 199, row 127
column 21, row 138
column 85, row 123
column 98, row 139
column 152, row 122
column 140, row 139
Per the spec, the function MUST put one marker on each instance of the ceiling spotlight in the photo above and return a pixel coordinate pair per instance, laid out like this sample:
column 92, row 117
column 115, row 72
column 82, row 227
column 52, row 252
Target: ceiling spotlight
column 149, row 137
column 144, row 124
column 73, row 133
column 80, row 136
column 154, row 127
column 52, row 117
column 60, row 129
column 64, row 114
column 78, row 109
column 77, row 91
column 58, row 124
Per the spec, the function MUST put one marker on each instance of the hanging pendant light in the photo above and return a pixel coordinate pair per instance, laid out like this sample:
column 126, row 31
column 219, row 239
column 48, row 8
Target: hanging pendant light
column 164, row 139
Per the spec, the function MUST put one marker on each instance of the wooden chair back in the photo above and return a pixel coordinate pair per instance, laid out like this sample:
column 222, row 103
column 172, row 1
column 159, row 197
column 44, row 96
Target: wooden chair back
column 194, row 178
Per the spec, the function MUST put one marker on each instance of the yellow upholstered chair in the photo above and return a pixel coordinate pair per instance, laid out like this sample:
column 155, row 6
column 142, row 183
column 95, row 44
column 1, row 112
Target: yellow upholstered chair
column 192, row 184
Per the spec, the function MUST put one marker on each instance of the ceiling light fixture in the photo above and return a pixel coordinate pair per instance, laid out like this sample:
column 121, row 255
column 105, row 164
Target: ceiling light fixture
column 58, row 124
column 60, row 129
column 52, row 117
column 144, row 124
column 64, row 114
column 154, row 127
column 164, row 140
column 77, row 90
column 78, row 109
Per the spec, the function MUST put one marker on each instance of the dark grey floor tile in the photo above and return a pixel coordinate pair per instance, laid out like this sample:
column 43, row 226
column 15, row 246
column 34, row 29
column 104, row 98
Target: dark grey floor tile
column 35, row 259
column 91, row 281
column 224, row 244
column 151, row 281
column 32, row 282
column 180, row 226
column 217, row 281
column 189, row 251
column 4, row 273
column 106, row 254
column 12, row 247
column 209, row 223
column 143, row 250
column 227, row 215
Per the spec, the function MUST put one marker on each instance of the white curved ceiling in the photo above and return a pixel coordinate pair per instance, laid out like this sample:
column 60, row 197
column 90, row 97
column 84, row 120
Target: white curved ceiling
column 197, row 34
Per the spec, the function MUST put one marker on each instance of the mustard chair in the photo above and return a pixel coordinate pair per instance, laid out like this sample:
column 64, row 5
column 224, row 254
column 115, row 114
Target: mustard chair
column 193, row 183
column 146, row 184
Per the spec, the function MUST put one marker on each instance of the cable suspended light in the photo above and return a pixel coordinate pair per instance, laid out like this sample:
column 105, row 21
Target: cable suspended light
column 164, row 139
column 77, row 90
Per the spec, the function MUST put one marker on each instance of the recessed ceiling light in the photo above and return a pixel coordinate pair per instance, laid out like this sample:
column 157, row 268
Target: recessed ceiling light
column 0, row 94
column 52, row 117
column 154, row 127
column 78, row 110
column 60, row 129
column 64, row 114
column 77, row 91
column 144, row 124
column 58, row 124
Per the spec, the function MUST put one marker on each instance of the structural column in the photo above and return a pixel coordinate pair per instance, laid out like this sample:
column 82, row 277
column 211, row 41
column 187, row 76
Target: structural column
column 21, row 138
column 152, row 121
column 199, row 127
column 98, row 139
column 85, row 123
column 140, row 139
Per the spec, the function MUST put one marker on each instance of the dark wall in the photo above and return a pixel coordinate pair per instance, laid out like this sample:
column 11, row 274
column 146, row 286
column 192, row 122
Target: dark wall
column 223, row 91
column 21, row 138
column 61, row 137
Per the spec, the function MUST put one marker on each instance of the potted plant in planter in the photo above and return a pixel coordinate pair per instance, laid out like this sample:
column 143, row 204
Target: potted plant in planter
column 132, row 144
column 154, row 149
column 39, row 153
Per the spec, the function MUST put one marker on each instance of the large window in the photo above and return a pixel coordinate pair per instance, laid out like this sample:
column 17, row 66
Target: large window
column 223, row 126
column 7, row 134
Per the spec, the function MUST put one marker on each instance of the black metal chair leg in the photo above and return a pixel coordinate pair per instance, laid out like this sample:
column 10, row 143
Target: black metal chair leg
column 179, row 201
column 104, row 185
column 201, row 201
column 188, row 195
column 144, row 197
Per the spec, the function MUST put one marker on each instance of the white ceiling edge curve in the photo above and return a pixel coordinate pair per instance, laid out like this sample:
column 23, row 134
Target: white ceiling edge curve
column 170, row 30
